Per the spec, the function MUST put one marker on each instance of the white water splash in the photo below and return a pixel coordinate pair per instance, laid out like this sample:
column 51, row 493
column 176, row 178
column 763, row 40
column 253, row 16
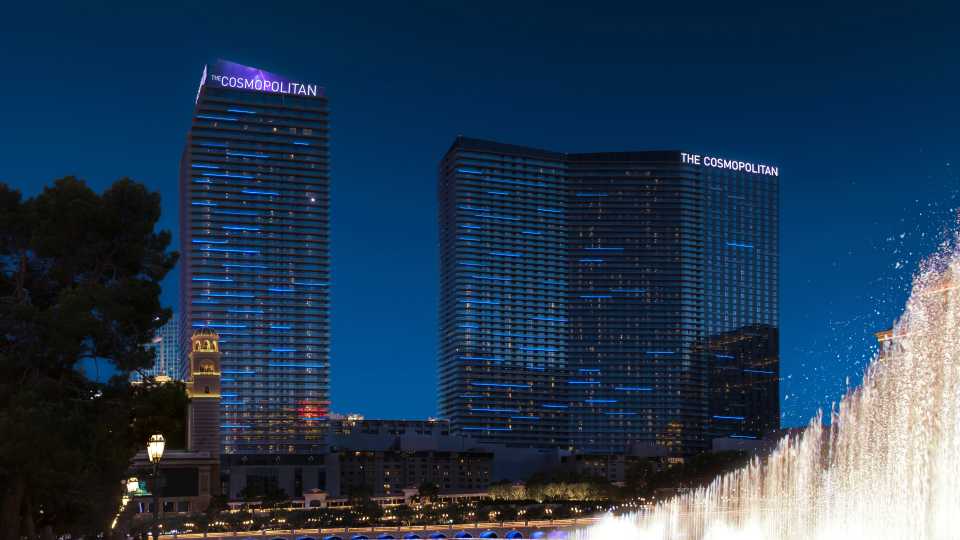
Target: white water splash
column 888, row 467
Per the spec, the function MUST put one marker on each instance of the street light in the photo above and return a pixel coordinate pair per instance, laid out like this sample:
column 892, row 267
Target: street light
column 155, row 453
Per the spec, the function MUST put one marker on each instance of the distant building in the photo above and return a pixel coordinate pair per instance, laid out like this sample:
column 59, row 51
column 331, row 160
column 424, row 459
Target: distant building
column 255, row 261
column 582, row 297
column 166, row 350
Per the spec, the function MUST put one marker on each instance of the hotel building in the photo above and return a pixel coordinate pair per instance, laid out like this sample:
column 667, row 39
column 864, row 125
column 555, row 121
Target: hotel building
column 607, row 302
column 255, row 195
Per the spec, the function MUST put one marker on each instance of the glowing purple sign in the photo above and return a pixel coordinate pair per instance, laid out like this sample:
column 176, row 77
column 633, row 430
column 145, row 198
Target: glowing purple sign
column 231, row 75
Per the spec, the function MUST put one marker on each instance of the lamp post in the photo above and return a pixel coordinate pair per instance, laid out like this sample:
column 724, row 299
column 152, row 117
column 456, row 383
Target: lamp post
column 155, row 452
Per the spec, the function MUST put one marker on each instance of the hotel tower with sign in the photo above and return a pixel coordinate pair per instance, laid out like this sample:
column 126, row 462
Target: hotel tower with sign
column 607, row 302
column 255, row 192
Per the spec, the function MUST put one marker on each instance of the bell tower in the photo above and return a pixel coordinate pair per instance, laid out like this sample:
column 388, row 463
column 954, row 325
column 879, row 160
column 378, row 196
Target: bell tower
column 203, row 390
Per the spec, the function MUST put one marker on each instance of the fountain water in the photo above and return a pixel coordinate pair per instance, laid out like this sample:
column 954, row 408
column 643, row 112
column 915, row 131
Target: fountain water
column 887, row 467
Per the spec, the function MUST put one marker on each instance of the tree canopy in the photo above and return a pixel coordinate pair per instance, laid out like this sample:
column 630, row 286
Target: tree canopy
column 80, row 277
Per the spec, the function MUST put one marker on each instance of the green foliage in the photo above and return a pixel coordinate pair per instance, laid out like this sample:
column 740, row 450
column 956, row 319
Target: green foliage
column 79, row 283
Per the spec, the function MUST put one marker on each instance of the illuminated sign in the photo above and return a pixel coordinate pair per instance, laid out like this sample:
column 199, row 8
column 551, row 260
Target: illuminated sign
column 729, row 164
column 230, row 75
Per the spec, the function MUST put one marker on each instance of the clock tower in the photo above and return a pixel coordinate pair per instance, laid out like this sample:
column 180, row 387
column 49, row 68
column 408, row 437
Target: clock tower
column 203, row 390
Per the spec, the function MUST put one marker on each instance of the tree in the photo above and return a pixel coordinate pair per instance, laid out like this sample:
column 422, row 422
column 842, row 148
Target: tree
column 79, row 283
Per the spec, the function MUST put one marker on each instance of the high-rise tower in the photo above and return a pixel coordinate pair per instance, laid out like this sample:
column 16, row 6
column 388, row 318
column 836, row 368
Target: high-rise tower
column 607, row 301
column 254, row 184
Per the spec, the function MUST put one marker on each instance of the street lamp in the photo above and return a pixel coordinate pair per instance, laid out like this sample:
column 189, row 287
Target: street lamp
column 155, row 453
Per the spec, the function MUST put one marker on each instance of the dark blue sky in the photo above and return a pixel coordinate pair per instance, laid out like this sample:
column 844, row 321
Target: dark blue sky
column 856, row 104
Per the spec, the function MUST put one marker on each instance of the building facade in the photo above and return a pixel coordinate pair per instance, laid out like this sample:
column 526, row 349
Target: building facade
column 166, row 350
column 592, row 301
column 254, row 184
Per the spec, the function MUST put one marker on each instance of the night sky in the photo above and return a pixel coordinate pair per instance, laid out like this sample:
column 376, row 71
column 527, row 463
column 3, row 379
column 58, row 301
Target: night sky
column 857, row 105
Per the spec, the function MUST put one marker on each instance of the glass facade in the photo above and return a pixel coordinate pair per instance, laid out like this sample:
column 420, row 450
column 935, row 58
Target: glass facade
column 656, row 281
column 166, row 351
column 255, row 266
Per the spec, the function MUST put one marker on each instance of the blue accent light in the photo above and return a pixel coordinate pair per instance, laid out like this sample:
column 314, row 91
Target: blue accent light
column 555, row 406
column 619, row 413
column 498, row 192
column 599, row 401
column 200, row 241
column 229, row 175
column 550, row 210
column 472, row 208
column 240, row 228
column 211, row 279
column 283, row 349
column 742, row 437
column 490, row 278
column 225, row 250
column 200, row 166
column 301, row 143
column 551, row 319
column 312, row 283
column 728, row 418
column 280, row 289
column 469, row 325
column 524, row 417
column 469, row 238
column 539, row 348
column 280, row 327
column 759, row 371
column 243, row 111
column 213, row 144
column 633, row 389
column 203, row 203
column 260, row 192
column 244, row 266
column 595, row 296
column 214, row 117
column 591, row 260
column 534, row 233
column 725, row 356
column 469, row 171
column 487, row 302
column 659, row 353
column 470, row 227
column 254, row 311
column 500, row 385
column 583, row 382
column 236, row 212
column 247, row 154
column 201, row 181
column 740, row 245
column 592, row 194
column 589, row 370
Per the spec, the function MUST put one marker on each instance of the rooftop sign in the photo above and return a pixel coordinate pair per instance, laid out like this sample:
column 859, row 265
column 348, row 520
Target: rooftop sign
column 230, row 75
column 720, row 163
